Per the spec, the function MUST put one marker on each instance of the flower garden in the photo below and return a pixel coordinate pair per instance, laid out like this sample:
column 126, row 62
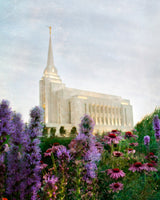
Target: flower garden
column 116, row 165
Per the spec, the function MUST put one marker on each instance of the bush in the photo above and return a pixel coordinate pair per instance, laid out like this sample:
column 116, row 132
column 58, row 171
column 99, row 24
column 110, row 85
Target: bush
column 73, row 131
column 62, row 131
column 52, row 132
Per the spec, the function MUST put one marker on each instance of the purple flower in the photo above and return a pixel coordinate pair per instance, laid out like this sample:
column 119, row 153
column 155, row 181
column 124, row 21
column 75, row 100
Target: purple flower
column 91, row 167
column 14, row 175
column 146, row 140
column 50, row 185
column 86, row 125
column 5, row 126
column 31, row 158
column 92, row 154
column 63, row 153
column 156, row 126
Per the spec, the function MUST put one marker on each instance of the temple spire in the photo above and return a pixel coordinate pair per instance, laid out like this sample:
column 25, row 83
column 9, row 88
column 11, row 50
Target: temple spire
column 50, row 62
column 50, row 70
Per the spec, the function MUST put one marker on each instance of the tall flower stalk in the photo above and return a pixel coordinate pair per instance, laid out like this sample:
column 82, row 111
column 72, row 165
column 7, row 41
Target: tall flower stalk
column 156, row 127
column 5, row 118
column 14, row 176
column 31, row 158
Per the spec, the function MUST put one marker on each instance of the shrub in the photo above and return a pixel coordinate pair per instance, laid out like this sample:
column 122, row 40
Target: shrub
column 52, row 132
column 62, row 131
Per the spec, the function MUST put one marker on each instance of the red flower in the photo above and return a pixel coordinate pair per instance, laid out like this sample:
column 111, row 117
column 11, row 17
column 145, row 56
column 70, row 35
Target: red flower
column 112, row 135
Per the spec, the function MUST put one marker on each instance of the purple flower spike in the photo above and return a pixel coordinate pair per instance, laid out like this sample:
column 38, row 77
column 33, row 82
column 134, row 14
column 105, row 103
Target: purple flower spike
column 156, row 126
column 146, row 140
column 31, row 166
column 86, row 125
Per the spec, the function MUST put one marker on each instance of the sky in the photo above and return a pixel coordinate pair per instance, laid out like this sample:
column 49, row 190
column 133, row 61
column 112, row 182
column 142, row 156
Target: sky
column 106, row 46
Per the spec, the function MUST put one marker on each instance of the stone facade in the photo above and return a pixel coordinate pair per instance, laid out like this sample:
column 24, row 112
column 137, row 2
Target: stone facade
column 65, row 106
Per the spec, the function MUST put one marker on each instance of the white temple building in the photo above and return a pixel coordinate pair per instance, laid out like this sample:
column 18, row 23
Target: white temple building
column 65, row 106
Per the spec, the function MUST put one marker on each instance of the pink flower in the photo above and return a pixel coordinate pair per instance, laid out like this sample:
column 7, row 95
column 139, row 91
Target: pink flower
column 54, row 149
column 133, row 144
column 131, row 151
column 116, row 186
column 115, row 173
column 149, row 167
column 112, row 138
column 116, row 132
column 129, row 135
column 117, row 153
column 151, row 156
column 138, row 166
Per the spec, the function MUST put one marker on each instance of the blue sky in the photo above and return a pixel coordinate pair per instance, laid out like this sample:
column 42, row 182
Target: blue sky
column 106, row 46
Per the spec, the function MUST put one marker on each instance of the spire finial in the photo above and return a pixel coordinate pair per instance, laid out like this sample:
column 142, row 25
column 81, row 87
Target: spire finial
column 50, row 30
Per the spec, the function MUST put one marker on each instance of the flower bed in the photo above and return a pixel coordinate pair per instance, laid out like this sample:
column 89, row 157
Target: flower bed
column 90, row 167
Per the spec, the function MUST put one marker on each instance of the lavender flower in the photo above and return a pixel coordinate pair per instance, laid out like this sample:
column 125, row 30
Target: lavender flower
column 13, row 170
column 156, row 126
column 86, row 125
column 92, row 154
column 50, row 185
column 146, row 140
column 91, row 167
column 63, row 153
column 5, row 126
column 31, row 159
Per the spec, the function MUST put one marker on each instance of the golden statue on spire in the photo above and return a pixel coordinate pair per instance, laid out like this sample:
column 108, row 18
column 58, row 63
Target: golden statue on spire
column 50, row 30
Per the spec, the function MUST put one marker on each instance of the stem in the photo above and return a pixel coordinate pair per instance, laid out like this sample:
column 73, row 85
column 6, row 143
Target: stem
column 54, row 164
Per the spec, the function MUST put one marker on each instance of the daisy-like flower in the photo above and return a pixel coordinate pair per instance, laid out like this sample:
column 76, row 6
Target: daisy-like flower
column 138, row 166
column 131, row 150
column 52, row 150
column 129, row 135
column 115, row 173
column 116, row 132
column 133, row 144
column 112, row 138
column 116, row 186
column 154, row 163
column 150, row 167
column 151, row 156
column 117, row 154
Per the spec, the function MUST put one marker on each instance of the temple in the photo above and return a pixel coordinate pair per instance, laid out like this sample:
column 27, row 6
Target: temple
column 65, row 106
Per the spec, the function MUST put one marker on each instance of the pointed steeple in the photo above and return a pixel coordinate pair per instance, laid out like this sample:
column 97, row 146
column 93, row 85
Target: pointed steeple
column 50, row 62
column 50, row 70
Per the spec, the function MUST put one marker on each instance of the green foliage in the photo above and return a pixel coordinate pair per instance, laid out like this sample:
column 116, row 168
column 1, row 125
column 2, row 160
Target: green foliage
column 45, row 131
column 145, row 127
column 73, row 131
column 62, row 131
column 52, row 132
